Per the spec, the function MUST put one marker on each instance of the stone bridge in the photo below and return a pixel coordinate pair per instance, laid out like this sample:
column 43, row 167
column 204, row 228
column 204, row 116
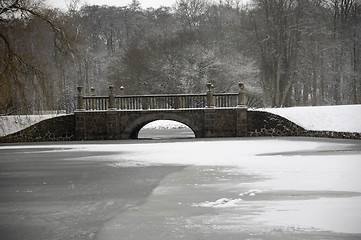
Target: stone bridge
column 123, row 116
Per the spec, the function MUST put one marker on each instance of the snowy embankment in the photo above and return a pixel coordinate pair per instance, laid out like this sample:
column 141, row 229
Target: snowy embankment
column 14, row 123
column 344, row 118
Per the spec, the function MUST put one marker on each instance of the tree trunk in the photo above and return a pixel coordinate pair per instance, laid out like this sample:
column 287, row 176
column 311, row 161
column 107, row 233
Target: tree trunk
column 314, row 87
column 278, row 79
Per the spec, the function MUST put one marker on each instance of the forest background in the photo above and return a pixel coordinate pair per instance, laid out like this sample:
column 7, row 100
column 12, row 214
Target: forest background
column 287, row 52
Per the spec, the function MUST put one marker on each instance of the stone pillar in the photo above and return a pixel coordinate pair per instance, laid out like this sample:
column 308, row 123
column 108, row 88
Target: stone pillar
column 93, row 100
column 241, row 95
column 112, row 125
column 111, row 98
column 209, row 123
column 145, row 103
column 80, row 126
column 210, row 97
column 177, row 102
column 122, row 100
column 80, row 99
column 241, row 121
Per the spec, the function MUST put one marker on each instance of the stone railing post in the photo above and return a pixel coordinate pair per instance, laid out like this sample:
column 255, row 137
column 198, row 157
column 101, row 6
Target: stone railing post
column 241, row 95
column 111, row 98
column 145, row 103
column 210, row 97
column 122, row 100
column 80, row 99
column 93, row 101
column 177, row 102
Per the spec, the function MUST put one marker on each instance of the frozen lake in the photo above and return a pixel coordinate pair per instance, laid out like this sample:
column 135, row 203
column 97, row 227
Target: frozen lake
column 240, row 188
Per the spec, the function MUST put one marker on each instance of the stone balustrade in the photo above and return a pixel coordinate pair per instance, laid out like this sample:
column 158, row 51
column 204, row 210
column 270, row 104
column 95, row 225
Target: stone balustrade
column 210, row 99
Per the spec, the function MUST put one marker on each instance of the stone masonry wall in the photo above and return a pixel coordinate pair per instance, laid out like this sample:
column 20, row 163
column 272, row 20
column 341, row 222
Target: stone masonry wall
column 115, row 125
column 55, row 129
column 225, row 122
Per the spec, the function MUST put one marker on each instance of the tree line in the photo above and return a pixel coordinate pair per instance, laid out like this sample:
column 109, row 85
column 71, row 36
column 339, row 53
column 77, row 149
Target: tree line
column 288, row 52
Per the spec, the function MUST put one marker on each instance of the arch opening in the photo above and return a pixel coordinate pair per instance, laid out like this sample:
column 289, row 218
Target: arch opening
column 165, row 129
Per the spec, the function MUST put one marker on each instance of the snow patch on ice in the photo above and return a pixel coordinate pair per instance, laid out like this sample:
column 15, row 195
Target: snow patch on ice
column 131, row 164
column 220, row 203
column 251, row 193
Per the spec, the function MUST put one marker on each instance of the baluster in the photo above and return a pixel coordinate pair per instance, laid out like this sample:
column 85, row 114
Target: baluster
column 151, row 102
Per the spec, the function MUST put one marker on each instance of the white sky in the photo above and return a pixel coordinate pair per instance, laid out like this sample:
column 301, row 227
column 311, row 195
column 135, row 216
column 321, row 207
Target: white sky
column 144, row 3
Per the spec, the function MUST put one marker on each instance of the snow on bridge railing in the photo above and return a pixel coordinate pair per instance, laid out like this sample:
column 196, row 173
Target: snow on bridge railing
column 160, row 101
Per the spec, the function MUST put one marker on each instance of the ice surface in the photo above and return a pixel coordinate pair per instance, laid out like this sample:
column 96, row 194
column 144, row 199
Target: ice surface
column 323, row 175
column 296, row 165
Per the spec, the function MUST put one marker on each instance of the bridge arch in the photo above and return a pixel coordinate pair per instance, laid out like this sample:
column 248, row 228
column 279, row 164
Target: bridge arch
column 133, row 128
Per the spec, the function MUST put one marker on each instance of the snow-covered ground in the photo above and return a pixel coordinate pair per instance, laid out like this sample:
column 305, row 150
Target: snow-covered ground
column 344, row 118
column 14, row 123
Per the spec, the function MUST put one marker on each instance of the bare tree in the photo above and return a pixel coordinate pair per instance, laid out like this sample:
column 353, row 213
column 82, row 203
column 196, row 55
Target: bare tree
column 191, row 12
column 18, row 70
column 277, row 26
